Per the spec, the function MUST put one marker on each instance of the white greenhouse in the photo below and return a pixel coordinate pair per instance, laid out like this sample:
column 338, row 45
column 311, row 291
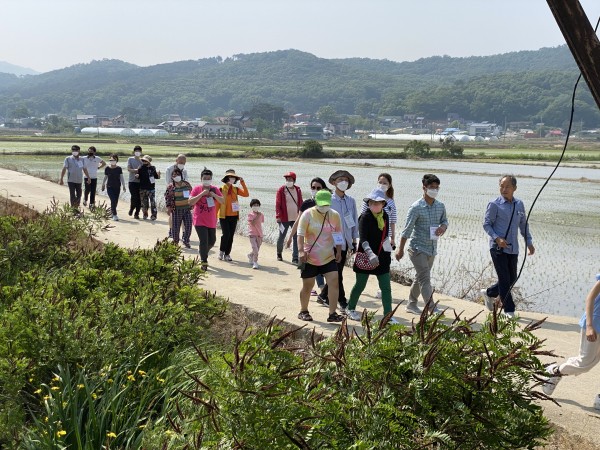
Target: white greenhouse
column 129, row 132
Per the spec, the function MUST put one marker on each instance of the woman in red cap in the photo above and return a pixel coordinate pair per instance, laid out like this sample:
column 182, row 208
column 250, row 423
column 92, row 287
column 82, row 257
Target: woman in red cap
column 287, row 208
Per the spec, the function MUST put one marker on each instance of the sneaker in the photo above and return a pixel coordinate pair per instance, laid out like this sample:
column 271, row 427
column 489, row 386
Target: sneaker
column 250, row 258
column 487, row 300
column 255, row 265
column 378, row 293
column 204, row 265
column 343, row 310
column 84, row 203
column 313, row 293
column 145, row 217
column 152, row 217
column 335, row 317
column 221, row 255
column 393, row 321
column 550, row 384
column 295, row 261
column 279, row 257
column 352, row 314
column 322, row 301
column 136, row 216
column 435, row 310
column 509, row 314
column 227, row 258
column 305, row 315
column 92, row 206
column 131, row 212
column 187, row 245
column 116, row 218
column 597, row 402
column 413, row 308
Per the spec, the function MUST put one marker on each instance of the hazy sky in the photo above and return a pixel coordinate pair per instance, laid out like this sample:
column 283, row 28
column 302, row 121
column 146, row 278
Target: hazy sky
column 51, row 34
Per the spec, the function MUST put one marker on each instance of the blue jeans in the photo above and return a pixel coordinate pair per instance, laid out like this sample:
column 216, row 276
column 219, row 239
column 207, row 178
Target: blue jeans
column 113, row 195
column 506, row 269
column 281, row 239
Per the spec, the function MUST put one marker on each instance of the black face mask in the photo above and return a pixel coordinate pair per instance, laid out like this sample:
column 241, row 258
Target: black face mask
column 90, row 154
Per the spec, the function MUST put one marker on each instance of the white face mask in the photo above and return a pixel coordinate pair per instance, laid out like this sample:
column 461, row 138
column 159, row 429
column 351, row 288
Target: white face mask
column 177, row 179
column 432, row 192
column 383, row 187
column 289, row 184
column 231, row 180
column 112, row 162
column 313, row 192
column 137, row 153
column 256, row 208
column 180, row 166
column 206, row 182
column 75, row 153
column 323, row 209
column 342, row 185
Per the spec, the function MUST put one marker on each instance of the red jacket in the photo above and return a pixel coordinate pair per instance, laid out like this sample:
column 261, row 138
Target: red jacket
column 280, row 206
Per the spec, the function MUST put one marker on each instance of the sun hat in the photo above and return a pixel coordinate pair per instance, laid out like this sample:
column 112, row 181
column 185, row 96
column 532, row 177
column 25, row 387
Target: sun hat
column 290, row 175
column 323, row 198
column 229, row 173
column 342, row 173
column 146, row 158
column 376, row 195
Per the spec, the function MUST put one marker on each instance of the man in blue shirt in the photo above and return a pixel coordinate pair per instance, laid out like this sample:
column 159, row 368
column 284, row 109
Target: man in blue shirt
column 345, row 206
column 504, row 217
column 426, row 221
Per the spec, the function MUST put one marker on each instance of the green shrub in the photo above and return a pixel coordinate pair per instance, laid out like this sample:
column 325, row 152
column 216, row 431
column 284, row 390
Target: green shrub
column 312, row 149
column 417, row 148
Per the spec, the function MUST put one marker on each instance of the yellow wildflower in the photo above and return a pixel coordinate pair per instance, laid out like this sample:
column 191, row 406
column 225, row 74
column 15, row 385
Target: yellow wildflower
column 142, row 373
column 46, row 419
column 110, row 381
column 110, row 434
column 160, row 380
column 56, row 378
column 80, row 386
column 54, row 388
column 60, row 433
column 130, row 377
column 46, row 397
column 94, row 396
column 39, row 391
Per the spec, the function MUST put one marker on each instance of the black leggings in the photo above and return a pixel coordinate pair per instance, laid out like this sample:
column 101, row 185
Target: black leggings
column 135, row 203
column 228, row 226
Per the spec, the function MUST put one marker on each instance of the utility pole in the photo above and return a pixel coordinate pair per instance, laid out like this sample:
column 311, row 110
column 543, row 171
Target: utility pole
column 581, row 39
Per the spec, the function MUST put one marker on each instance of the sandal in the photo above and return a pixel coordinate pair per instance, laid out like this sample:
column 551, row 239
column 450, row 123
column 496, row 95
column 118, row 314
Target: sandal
column 305, row 315
column 335, row 317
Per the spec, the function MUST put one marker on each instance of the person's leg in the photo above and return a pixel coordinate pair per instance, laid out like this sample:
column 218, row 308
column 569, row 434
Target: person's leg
column 78, row 194
column 92, row 188
column 357, row 289
column 385, row 285
column 134, row 191
column 153, row 209
column 233, row 220
column 307, row 285
column 589, row 356
column 86, row 190
column 502, row 266
column 72, row 194
column 281, row 238
column 294, row 243
column 259, row 241
column 113, row 195
column 332, row 282
column 202, row 233
column 212, row 237
column 342, row 300
column 422, row 263
column 224, row 232
column 253, row 255
column 187, row 226
column 144, row 202
column 177, row 219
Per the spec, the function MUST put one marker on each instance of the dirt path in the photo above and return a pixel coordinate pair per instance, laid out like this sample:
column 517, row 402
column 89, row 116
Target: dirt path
column 274, row 289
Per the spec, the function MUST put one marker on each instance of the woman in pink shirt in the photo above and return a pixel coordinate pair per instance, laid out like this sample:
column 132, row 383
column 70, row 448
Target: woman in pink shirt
column 204, row 199
column 255, row 232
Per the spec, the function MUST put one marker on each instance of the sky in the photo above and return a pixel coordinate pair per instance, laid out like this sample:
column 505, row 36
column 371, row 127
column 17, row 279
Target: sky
column 46, row 35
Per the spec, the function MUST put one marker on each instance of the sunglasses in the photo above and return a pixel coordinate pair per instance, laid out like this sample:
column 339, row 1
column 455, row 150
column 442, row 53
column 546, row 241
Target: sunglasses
column 318, row 188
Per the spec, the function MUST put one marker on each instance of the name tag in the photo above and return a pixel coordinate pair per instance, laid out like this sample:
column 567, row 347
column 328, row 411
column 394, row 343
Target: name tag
column 338, row 238
column 387, row 245
column 151, row 180
column 235, row 206
column 349, row 220
column 186, row 194
column 210, row 202
column 432, row 235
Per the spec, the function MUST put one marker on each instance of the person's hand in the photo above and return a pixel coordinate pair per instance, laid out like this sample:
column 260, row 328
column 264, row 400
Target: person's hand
column 124, row 189
column 303, row 256
column 278, row 220
column 501, row 243
column 61, row 182
column 399, row 253
column 103, row 188
column 440, row 230
column 531, row 249
column 89, row 181
column 288, row 242
column 241, row 180
column 590, row 333
column 338, row 257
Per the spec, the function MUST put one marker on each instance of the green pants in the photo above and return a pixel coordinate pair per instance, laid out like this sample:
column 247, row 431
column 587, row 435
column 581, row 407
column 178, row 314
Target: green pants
column 384, row 285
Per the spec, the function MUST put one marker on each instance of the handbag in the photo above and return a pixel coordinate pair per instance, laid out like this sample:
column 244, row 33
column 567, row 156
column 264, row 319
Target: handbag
column 361, row 260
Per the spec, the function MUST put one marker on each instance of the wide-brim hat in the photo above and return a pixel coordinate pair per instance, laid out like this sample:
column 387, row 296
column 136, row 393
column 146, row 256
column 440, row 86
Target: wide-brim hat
column 146, row 158
column 341, row 173
column 323, row 198
column 229, row 173
column 377, row 195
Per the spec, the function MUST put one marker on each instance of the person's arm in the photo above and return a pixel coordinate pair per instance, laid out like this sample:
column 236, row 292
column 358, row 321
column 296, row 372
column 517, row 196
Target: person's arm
column 62, row 175
column 288, row 243
column 443, row 224
column 590, row 331
column 196, row 194
column 278, row 206
column 122, row 178
column 131, row 169
column 524, row 228
column 218, row 196
column 87, row 175
column 242, row 191
column 301, row 230
column 104, row 180
column 102, row 163
column 489, row 218
column 156, row 173
column 409, row 225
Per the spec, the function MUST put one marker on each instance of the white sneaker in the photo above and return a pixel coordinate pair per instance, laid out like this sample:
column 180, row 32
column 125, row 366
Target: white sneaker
column 509, row 314
column 413, row 308
column 352, row 314
column 393, row 321
column 116, row 218
column 378, row 293
column 487, row 300
column 597, row 402
column 221, row 255
column 250, row 258
column 255, row 265
column 550, row 384
column 227, row 258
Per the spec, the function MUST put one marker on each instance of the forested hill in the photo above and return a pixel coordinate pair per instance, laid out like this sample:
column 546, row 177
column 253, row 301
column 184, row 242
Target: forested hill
column 513, row 86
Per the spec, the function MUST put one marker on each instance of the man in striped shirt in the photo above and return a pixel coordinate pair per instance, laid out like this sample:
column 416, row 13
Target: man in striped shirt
column 426, row 221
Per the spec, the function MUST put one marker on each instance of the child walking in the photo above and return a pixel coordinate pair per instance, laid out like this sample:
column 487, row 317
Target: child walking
column 255, row 231
column 589, row 347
